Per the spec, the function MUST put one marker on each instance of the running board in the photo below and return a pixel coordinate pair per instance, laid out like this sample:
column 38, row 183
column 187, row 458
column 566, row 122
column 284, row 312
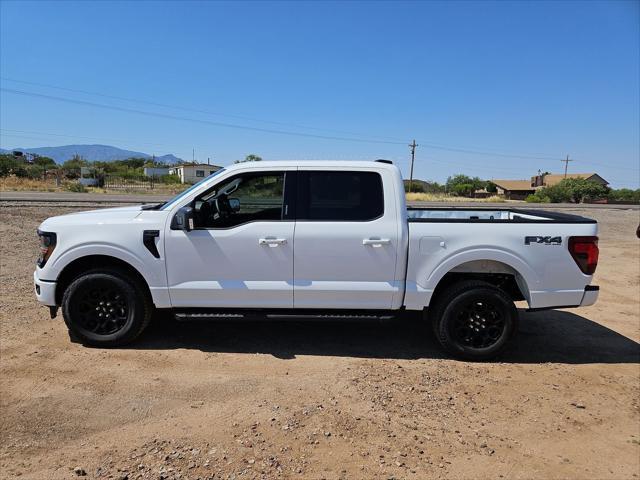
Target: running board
column 251, row 315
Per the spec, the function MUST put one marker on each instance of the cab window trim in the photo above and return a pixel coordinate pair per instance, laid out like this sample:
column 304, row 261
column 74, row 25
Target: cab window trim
column 302, row 196
column 288, row 185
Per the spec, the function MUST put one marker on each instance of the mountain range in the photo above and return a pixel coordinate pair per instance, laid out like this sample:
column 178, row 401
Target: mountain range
column 91, row 153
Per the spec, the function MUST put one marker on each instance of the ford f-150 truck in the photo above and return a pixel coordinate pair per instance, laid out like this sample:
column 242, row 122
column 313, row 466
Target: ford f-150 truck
column 323, row 239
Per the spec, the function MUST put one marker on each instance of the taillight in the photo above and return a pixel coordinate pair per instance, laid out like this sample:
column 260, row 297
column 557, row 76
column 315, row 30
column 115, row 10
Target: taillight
column 47, row 244
column 584, row 251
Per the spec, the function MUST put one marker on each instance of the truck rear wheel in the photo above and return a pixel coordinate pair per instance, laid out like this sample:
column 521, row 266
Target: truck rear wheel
column 474, row 320
column 106, row 308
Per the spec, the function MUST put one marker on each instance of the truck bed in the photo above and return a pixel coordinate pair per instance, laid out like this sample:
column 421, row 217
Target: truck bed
column 490, row 215
column 531, row 245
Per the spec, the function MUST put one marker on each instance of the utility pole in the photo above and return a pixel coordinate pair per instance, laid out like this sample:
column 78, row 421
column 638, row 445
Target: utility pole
column 413, row 146
column 193, row 155
column 566, row 165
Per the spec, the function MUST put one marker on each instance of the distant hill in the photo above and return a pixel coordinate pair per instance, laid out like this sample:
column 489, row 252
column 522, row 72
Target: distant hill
column 104, row 153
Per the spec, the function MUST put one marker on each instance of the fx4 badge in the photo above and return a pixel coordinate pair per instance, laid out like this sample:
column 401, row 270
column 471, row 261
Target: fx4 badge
column 543, row 240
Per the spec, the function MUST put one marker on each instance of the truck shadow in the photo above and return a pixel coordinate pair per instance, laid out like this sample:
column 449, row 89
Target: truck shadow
column 550, row 336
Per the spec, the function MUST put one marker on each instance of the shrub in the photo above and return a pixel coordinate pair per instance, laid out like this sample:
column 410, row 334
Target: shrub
column 625, row 195
column 463, row 189
column 464, row 185
column 575, row 190
column 538, row 197
column 581, row 189
column 34, row 172
column 170, row 179
column 77, row 187
column 11, row 165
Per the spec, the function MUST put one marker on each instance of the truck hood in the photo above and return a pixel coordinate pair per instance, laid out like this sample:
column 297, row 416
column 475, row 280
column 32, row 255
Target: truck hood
column 92, row 217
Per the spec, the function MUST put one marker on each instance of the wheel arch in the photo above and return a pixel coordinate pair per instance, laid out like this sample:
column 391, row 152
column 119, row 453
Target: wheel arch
column 506, row 272
column 88, row 262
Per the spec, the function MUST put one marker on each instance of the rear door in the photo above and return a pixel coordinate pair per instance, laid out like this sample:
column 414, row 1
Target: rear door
column 346, row 240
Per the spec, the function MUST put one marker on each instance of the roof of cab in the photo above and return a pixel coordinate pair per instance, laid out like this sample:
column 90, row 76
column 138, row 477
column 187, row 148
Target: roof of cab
column 340, row 164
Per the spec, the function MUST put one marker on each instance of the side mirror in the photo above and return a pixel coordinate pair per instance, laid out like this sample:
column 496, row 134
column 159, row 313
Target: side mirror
column 183, row 220
column 234, row 204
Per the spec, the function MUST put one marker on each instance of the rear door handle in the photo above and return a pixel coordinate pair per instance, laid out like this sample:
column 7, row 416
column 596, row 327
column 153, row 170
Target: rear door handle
column 376, row 242
column 272, row 241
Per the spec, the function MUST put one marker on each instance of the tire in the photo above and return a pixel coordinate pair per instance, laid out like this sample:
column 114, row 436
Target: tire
column 474, row 320
column 106, row 308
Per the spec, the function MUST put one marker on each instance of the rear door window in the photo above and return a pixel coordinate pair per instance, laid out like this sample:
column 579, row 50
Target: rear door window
column 339, row 196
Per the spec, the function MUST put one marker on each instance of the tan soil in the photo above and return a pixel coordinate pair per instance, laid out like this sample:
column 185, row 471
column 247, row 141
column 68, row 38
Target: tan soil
column 322, row 400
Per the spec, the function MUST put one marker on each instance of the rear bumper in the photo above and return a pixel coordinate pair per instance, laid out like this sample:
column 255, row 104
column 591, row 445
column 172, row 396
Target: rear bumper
column 45, row 291
column 590, row 296
column 547, row 300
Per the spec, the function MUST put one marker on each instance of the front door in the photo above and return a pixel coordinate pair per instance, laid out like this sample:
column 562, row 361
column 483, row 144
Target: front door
column 240, row 253
column 346, row 243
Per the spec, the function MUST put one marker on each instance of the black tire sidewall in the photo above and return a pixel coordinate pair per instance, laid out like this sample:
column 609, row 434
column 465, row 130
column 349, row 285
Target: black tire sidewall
column 135, row 307
column 495, row 296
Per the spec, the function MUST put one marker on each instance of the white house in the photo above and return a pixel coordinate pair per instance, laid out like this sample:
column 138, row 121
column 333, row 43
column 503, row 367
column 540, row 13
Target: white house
column 193, row 172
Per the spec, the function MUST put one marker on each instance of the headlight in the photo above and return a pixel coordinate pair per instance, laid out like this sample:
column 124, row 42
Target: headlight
column 47, row 244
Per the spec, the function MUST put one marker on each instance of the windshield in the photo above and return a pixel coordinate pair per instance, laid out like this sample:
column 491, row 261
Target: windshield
column 179, row 197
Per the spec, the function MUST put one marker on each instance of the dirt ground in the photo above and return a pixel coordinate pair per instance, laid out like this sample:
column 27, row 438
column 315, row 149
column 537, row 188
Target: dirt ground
column 321, row 400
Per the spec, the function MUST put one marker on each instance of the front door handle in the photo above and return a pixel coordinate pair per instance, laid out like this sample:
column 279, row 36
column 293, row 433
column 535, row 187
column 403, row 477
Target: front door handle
column 376, row 242
column 272, row 241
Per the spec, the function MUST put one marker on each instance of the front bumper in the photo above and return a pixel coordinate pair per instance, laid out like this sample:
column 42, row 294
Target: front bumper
column 45, row 291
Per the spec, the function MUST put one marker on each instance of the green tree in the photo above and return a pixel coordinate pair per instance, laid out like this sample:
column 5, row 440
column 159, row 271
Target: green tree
column 131, row 163
column 74, row 163
column 625, row 195
column 250, row 158
column 575, row 190
column 582, row 189
column 464, row 185
column 424, row 186
column 11, row 165
column 45, row 162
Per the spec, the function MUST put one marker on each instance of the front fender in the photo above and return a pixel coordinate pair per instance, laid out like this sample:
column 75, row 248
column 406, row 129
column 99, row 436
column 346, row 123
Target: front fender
column 56, row 265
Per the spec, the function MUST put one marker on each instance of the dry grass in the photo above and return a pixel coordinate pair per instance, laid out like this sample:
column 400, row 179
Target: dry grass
column 16, row 184
column 158, row 189
column 441, row 197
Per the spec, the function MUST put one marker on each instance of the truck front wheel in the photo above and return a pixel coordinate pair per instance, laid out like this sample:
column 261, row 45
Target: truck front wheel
column 106, row 308
column 474, row 320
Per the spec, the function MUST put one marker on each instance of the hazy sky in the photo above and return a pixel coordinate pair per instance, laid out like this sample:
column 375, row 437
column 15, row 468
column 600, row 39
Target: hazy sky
column 483, row 87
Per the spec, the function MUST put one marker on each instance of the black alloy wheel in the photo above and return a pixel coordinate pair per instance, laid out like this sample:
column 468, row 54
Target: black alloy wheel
column 474, row 320
column 106, row 307
column 478, row 324
column 102, row 309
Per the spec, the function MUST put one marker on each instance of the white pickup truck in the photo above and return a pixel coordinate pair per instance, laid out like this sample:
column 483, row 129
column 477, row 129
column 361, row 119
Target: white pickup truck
column 323, row 239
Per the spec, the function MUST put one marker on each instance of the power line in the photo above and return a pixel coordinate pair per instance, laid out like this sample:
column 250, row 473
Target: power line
column 484, row 167
column 374, row 139
column 391, row 140
column 607, row 166
column 189, row 109
column 194, row 120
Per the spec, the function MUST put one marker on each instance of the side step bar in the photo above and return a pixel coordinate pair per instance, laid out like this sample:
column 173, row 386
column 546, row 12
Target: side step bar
column 304, row 315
